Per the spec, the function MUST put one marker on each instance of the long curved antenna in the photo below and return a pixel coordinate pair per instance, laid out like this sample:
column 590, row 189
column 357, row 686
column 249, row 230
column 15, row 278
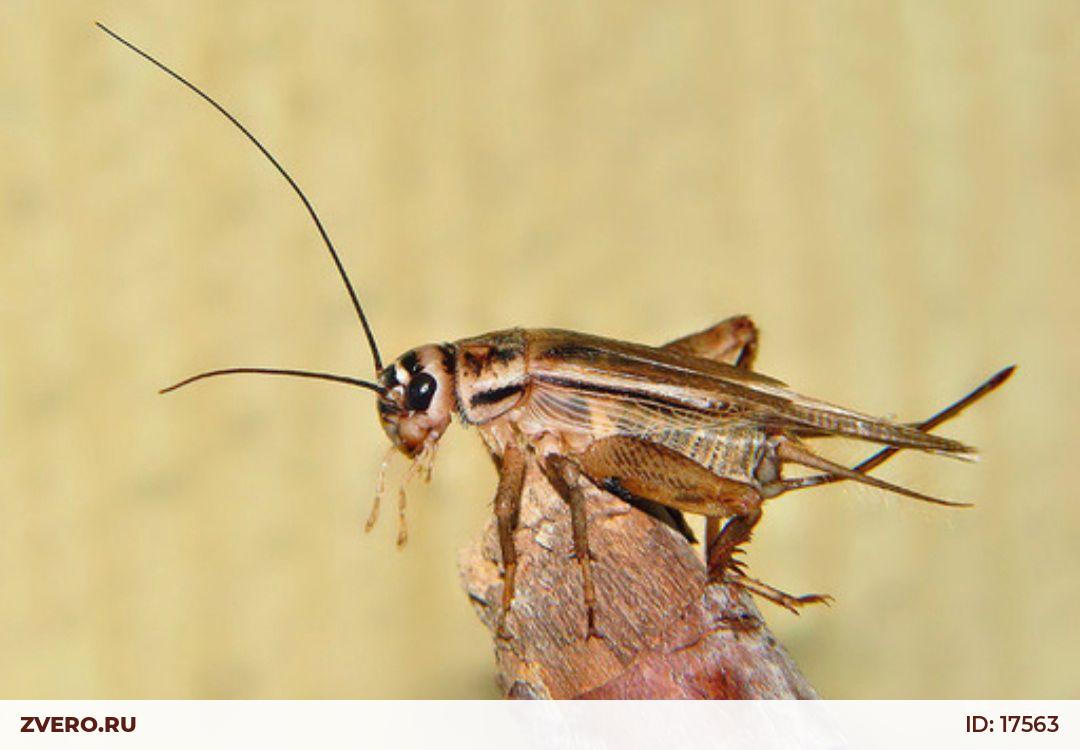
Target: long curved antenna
column 275, row 371
column 288, row 178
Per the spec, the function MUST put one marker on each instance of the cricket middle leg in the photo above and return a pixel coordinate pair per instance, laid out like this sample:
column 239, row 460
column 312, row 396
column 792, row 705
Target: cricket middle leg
column 565, row 476
column 733, row 341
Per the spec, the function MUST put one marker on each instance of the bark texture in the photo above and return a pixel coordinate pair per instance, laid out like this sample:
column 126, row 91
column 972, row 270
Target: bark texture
column 664, row 633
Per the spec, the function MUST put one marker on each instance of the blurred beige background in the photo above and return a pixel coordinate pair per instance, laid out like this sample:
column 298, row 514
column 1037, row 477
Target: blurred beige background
column 891, row 191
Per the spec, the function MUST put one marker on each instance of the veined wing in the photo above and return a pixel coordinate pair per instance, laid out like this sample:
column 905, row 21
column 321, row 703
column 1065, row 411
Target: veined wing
column 727, row 445
column 603, row 413
column 657, row 384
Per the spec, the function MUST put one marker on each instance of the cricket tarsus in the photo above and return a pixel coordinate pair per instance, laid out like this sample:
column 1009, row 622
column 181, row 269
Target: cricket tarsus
column 790, row 602
column 565, row 477
column 276, row 371
column 288, row 178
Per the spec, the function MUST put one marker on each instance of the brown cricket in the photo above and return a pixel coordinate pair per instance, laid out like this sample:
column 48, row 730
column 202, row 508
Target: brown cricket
column 686, row 427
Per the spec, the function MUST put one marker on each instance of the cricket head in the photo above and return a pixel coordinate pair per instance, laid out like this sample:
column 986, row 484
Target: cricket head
column 417, row 397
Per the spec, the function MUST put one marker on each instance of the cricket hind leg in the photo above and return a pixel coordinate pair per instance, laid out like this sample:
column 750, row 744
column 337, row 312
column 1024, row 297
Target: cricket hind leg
column 723, row 567
column 835, row 473
column 791, row 451
column 726, row 543
column 788, row 601
column 722, row 545
column 733, row 341
column 637, row 468
column 668, row 478
column 662, row 513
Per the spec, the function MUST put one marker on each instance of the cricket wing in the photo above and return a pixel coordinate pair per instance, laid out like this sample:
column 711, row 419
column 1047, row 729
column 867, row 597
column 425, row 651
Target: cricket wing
column 643, row 389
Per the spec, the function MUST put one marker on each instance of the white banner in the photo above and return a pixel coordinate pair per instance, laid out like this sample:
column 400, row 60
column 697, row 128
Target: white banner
column 496, row 725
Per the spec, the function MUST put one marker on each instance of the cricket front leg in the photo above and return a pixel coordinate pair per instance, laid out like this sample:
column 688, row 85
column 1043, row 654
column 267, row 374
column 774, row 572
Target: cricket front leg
column 507, row 511
column 565, row 476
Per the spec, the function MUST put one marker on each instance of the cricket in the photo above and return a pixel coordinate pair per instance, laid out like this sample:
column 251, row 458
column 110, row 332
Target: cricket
column 686, row 427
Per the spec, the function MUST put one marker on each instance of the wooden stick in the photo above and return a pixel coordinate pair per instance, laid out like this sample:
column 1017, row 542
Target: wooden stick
column 665, row 634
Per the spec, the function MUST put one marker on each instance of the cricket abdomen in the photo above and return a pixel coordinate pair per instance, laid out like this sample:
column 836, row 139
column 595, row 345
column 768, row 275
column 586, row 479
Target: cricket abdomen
column 733, row 453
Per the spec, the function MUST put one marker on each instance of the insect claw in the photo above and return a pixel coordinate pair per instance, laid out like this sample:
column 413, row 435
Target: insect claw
column 737, row 566
column 788, row 601
column 805, row 599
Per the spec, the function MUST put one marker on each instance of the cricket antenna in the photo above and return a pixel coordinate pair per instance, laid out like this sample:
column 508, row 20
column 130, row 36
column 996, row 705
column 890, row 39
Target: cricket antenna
column 276, row 371
column 288, row 178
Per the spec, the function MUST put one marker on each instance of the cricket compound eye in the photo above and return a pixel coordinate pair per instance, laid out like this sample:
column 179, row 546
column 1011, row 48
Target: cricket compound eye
column 420, row 392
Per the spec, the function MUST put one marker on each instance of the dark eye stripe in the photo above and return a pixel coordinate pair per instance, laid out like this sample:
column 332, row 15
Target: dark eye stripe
column 411, row 363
